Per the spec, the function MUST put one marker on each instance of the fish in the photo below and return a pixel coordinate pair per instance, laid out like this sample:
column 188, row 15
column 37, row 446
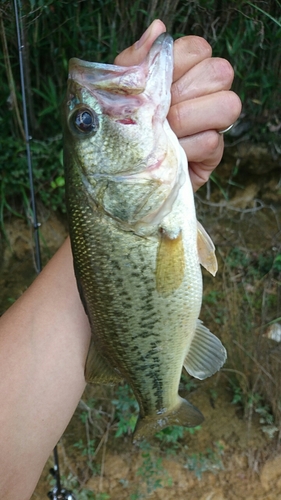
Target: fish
column 137, row 245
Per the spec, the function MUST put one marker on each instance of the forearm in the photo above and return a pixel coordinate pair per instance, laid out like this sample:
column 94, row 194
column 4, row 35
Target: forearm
column 44, row 340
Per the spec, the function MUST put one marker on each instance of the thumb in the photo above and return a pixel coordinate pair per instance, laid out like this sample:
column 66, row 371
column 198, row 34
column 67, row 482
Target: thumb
column 136, row 53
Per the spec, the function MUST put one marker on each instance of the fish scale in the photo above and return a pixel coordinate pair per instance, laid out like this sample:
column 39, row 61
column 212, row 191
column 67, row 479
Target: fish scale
column 135, row 237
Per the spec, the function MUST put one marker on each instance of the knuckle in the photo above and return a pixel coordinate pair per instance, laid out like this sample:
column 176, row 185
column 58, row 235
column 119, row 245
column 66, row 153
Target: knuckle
column 177, row 90
column 234, row 105
column 175, row 118
column 200, row 45
column 223, row 71
column 213, row 142
column 196, row 46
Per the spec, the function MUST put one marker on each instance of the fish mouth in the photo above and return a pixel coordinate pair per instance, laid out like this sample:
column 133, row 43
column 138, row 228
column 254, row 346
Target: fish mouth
column 122, row 91
column 133, row 80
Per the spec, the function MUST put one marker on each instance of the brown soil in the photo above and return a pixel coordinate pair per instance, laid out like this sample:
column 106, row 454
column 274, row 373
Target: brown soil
column 234, row 459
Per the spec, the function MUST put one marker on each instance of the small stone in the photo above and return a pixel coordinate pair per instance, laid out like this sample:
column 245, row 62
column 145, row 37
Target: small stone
column 271, row 473
column 116, row 468
column 213, row 495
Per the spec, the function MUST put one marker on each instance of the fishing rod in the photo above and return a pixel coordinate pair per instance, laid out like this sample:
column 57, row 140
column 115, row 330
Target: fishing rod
column 57, row 493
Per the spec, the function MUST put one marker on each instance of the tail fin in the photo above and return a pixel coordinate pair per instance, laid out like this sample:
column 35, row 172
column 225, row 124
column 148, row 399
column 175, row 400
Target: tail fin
column 184, row 413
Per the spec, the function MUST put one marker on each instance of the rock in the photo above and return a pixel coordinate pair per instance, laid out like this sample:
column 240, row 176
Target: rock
column 271, row 473
column 20, row 237
column 53, row 232
column 245, row 198
column 213, row 495
column 181, row 477
column 164, row 494
column 116, row 468
column 254, row 158
column 240, row 461
column 274, row 332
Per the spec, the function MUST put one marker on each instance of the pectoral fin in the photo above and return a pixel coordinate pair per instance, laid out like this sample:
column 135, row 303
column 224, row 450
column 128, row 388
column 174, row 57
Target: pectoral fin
column 97, row 370
column 170, row 265
column 206, row 250
column 206, row 354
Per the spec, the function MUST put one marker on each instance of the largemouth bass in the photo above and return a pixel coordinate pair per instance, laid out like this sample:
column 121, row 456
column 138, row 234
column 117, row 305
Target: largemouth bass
column 136, row 243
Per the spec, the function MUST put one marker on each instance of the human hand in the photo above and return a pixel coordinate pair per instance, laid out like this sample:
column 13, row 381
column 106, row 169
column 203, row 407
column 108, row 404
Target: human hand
column 202, row 103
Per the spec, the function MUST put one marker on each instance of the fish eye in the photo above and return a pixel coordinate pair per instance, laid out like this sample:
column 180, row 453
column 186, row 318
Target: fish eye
column 85, row 120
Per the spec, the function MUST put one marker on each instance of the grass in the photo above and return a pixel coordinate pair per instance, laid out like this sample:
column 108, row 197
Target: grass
column 243, row 307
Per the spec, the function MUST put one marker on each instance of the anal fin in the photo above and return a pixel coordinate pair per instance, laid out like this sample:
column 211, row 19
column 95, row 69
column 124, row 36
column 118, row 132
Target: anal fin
column 206, row 354
column 97, row 370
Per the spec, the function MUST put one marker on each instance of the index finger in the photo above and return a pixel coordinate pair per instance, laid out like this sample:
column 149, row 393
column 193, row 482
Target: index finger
column 137, row 52
column 189, row 51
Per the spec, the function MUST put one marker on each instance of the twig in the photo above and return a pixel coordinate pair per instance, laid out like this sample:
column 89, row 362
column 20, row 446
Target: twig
column 238, row 373
column 10, row 78
column 255, row 361
column 104, row 449
column 226, row 204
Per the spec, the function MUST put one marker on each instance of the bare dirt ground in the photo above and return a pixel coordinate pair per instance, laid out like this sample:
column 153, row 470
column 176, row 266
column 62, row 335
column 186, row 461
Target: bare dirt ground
column 230, row 457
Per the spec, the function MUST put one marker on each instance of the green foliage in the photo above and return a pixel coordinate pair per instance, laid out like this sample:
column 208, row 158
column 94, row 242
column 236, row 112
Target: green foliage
column 277, row 263
column 254, row 402
column 238, row 395
column 212, row 297
column 246, row 33
column 252, row 264
column 237, row 258
column 126, row 410
column 187, row 383
column 151, row 472
column 210, row 461
column 251, row 302
column 88, row 449
column 47, row 173
column 266, row 420
column 170, row 436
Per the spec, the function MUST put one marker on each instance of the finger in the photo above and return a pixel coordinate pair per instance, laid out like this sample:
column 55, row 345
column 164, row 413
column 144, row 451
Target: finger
column 199, row 174
column 188, row 52
column 204, row 152
column 137, row 52
column 208, row 76
column 211, row 112
column 206, row 147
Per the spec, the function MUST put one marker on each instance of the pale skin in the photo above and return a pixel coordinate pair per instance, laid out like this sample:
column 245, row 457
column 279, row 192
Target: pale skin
column 44, row 336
